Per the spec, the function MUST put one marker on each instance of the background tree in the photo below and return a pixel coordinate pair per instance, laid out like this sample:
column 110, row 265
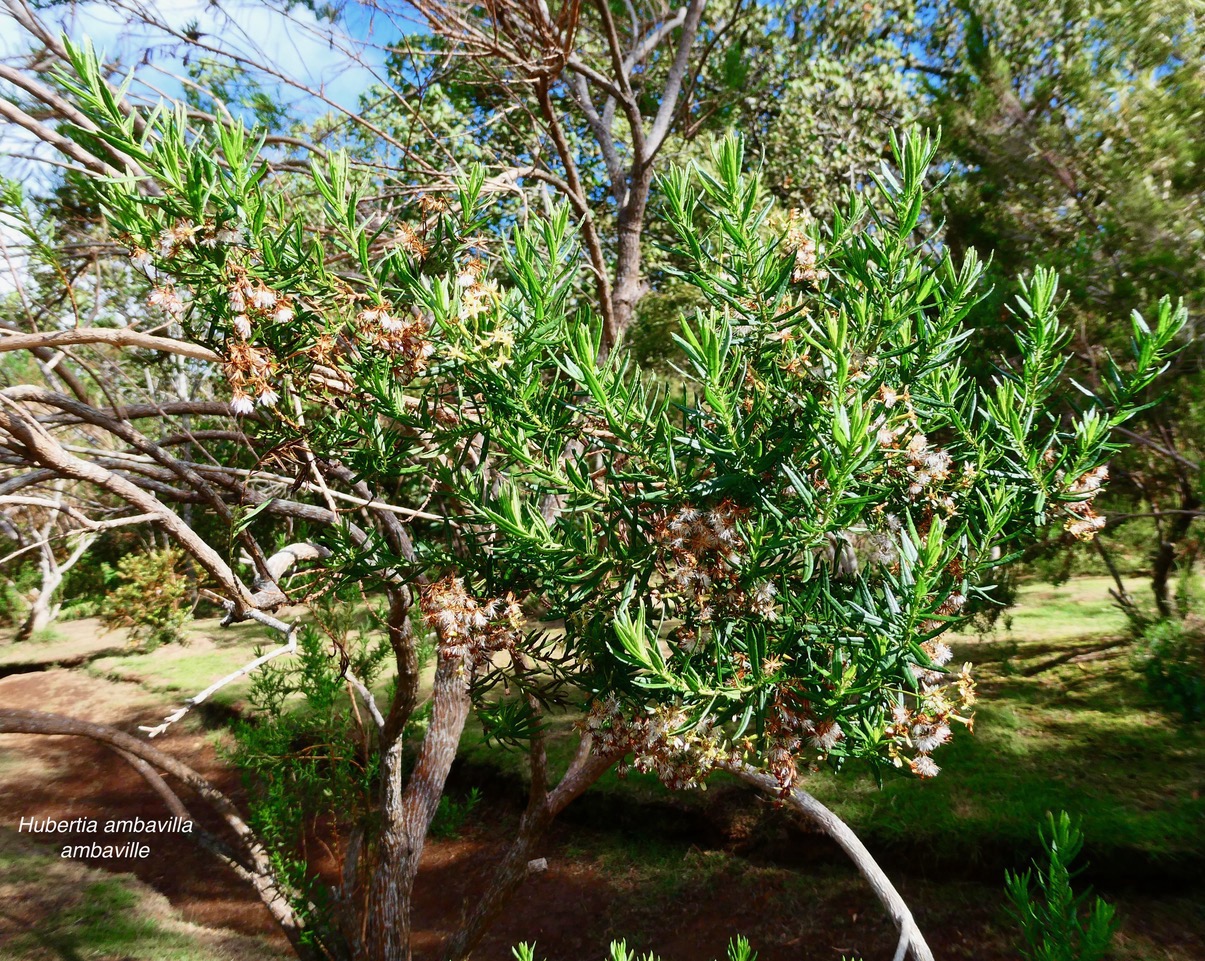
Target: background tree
column 1073, row 134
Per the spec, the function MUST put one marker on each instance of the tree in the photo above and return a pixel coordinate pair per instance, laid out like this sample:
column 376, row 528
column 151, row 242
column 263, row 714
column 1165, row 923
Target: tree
column 752, row 578
column 1072, row 131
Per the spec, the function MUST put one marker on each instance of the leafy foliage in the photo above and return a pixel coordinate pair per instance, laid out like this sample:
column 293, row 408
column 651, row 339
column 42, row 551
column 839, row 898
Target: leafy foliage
column 1170, row 656
column 307, row 760
column 767, row 561
column 151, row 597
column 1058, row 924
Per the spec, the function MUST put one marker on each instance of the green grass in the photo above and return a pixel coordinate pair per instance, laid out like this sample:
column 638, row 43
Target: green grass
column 1062, row 723
column 53, row 909
column 211, row 653
column 104, row 923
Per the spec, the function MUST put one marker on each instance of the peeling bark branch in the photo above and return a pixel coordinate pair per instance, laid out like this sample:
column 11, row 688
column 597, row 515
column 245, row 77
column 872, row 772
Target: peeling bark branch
column 114, row 337
column 910, row 937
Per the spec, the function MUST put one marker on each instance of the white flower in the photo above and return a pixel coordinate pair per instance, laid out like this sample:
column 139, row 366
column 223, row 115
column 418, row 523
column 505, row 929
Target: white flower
column 229, row 235
column 143, row 260
column 828, row 733
column 268, row 397
column 941, row 653
column 263, row 297
column 932, row 738
column 1086, row 528
column 171, row 238
column 241, row 404
column 924, row 766
column 283, row 315
column 168, row 299
column 389, row 323
column 242, row 325
column 237, row 301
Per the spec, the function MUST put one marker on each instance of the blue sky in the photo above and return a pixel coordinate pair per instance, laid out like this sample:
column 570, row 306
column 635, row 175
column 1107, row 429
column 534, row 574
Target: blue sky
column 295, row 44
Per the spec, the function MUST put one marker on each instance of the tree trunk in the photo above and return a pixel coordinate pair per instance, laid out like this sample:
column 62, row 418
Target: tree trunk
column 629, row 284
column 407, row 811
column 1164, row 561
column 43, row 607
column 542, row 809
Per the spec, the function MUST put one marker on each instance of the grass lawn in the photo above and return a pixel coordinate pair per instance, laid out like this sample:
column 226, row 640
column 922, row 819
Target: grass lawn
column 1062, row 723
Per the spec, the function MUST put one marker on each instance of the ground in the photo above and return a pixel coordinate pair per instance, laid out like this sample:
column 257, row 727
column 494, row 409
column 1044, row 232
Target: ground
column 1062, row 724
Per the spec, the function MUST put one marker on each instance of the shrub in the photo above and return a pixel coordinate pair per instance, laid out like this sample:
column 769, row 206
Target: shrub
column 1056, row 923
column 1170, row 657
column 151, row 599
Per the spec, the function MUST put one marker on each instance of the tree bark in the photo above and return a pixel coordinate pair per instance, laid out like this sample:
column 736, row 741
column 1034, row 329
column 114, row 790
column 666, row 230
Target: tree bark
column 1174, row 532
column 911, row 940
column 542, row 808
column 407, row 812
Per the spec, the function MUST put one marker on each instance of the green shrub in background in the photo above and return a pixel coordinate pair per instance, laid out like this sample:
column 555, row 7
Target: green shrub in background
column 151, row 597
column 14, row 594
column 1056, row 923
column 1170, row 656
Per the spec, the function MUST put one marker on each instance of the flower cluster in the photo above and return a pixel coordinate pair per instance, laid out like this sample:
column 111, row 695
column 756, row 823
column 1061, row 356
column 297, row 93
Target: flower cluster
column 798, row 242
column 407, row 239
column 924, row 726
column 467, row 630
column 705, row 545
column 250, row 371
column 173, row 238
column 254, row 300
column 1082, row 521
column 926, row 466
column 403, row 335
column 662, row 741
column 166, row 298
column 478, row 294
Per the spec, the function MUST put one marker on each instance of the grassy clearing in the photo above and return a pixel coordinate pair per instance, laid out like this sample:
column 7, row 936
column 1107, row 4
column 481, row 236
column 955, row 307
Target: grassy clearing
column 209, row 652
column 55, row 909
column 65, row 641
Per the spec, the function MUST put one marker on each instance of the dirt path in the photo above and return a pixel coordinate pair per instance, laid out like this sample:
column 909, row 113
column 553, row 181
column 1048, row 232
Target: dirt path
column 68, row 778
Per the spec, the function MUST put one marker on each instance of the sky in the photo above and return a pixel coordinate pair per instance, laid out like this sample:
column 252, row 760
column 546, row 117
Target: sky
column 295, row 45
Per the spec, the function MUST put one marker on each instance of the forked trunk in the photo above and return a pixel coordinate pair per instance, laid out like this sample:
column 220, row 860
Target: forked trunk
column 407, row 809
